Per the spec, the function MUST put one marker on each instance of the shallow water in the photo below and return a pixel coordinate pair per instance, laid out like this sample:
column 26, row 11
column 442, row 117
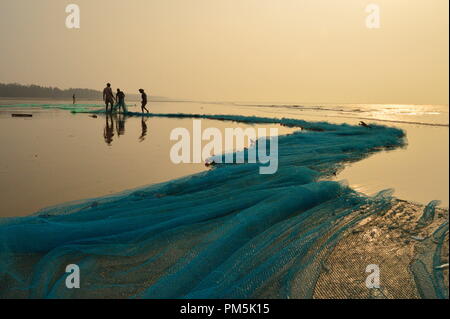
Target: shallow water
column 70, row 155
column 56, row 157
column 418, row 173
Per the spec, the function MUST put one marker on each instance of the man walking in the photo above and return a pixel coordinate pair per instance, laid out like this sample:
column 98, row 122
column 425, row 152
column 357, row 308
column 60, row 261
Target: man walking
column 144, row 100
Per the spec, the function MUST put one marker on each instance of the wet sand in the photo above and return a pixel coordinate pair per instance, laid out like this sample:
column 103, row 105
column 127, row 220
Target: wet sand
column 418, row 173
column 56, row 157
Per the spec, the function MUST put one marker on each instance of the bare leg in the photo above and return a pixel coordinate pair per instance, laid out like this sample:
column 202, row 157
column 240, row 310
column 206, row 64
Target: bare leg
column 144, row 108
column 111, row 102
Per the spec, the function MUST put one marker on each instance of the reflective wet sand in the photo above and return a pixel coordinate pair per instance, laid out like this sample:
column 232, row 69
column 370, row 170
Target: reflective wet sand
column 56, row 156
column 418, row 173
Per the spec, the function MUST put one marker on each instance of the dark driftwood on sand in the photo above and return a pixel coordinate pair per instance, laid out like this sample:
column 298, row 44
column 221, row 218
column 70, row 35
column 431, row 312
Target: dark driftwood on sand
column 22, row 115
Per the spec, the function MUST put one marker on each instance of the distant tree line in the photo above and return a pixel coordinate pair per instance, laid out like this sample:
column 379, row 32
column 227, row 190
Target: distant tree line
column 36, row 91
column 15, row 90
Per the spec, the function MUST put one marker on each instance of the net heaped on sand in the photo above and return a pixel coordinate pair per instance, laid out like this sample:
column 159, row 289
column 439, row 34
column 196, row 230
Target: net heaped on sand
column 233, row 233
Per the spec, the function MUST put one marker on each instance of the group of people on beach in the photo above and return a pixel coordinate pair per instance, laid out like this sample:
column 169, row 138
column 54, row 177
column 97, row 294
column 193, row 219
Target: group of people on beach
column 117, row 102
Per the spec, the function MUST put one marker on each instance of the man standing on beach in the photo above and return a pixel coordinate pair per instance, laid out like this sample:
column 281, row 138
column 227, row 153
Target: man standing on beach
column 120, row 97
column 108, row 96
column 144, row 100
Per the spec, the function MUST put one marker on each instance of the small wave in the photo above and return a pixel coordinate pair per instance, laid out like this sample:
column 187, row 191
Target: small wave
column 302, row 107
column 354, row 111
column 400, row 122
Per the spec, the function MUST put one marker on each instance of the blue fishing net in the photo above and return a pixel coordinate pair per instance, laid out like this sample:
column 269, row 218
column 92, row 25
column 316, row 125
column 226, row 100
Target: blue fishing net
column 226, row 233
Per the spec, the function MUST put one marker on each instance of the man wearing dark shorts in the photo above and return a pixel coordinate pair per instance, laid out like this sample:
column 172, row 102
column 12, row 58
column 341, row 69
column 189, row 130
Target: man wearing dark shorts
column 120, row 97
column 108, row 96
column 144, row 100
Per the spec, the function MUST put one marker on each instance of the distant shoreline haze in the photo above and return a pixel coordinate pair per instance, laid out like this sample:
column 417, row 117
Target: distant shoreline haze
column 15, row 90
column 33, row 91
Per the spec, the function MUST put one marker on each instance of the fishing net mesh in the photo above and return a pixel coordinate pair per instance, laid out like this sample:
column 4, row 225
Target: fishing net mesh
column 234, row 233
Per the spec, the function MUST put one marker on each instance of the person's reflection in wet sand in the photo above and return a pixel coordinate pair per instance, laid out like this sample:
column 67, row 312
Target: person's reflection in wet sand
column 144, row 129
column 120, row 124
column 108, row 132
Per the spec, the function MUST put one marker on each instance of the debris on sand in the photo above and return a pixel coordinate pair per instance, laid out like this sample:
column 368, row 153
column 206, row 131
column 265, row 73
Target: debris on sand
column 22, row 115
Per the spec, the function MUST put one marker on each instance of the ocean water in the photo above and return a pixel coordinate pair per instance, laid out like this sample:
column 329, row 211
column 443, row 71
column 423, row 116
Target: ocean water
column 418, row 172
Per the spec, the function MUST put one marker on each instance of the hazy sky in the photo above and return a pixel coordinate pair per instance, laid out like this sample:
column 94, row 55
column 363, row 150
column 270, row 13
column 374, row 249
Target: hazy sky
column 315, row 51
